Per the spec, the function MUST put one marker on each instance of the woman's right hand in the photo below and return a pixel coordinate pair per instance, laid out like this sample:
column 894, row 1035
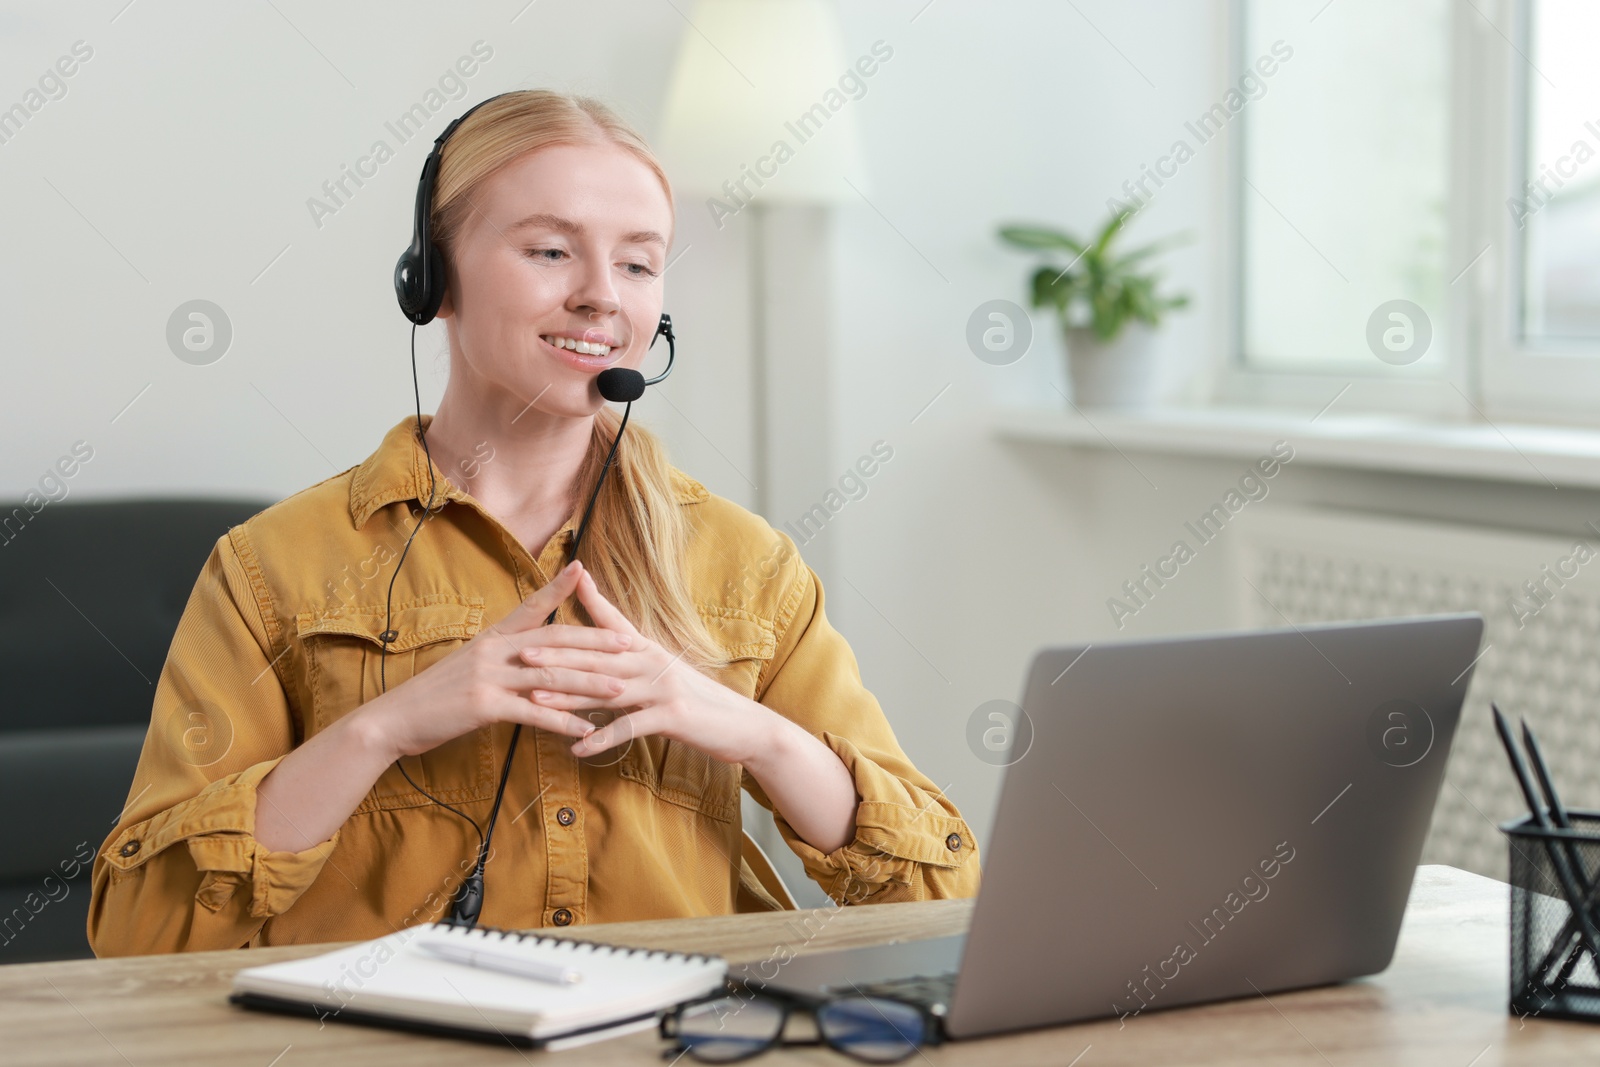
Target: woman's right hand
column 485, row 680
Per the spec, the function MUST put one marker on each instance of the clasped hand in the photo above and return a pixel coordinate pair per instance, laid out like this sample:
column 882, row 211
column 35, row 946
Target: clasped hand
column 522, row 670
column 653, row 691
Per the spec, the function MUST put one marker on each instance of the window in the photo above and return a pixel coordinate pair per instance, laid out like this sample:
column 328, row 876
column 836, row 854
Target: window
column 1442, row 154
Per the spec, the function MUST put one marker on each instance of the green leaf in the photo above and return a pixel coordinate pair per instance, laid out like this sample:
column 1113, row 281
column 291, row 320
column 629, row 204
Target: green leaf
column 1039, row 237
column 1043, row 286
column 1139, row 300
column 1111, row 230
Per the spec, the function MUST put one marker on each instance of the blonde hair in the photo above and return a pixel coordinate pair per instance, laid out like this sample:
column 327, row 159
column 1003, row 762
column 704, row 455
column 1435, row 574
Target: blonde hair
column 637, row 540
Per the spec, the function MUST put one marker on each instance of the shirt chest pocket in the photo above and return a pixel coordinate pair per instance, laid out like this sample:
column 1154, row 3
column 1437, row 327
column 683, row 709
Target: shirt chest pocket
column 347, row 667
column 685, row 776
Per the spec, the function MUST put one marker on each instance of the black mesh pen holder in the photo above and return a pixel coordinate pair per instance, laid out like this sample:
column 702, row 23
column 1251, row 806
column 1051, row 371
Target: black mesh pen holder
column 1555, row 918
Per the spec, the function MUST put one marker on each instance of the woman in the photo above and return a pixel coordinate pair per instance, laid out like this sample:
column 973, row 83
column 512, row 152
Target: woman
column 332, row 730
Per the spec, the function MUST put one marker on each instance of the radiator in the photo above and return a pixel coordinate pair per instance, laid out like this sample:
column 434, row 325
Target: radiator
column 1540, row 600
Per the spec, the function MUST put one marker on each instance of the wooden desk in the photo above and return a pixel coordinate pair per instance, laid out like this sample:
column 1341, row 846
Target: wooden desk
column 1443, row 1001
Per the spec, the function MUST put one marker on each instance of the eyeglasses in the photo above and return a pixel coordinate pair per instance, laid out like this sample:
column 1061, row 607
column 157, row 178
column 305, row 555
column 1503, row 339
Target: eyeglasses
column 737, row 1026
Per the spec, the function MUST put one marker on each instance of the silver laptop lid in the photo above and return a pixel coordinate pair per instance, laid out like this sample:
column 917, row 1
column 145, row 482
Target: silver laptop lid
column 1208, row 817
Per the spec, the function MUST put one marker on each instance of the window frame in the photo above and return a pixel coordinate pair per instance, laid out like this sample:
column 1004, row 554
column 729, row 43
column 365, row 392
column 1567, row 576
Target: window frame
column 1539, row 380
column 1487, row 374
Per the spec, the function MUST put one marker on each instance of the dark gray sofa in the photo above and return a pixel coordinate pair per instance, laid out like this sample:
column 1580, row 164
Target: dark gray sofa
column 90, row 594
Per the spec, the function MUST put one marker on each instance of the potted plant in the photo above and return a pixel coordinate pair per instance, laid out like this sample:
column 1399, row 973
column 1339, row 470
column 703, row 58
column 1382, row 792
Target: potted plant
column 1107, row 307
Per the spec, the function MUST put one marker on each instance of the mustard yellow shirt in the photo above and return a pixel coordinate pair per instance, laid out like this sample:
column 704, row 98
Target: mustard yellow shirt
column 280, row 637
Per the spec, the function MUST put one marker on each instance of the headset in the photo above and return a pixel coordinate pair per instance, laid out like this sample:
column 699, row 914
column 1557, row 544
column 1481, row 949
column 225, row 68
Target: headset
column 419, row 284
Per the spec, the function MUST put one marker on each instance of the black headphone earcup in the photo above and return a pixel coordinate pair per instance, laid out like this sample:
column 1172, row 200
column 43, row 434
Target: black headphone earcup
column 419, row 291
column 408, row 284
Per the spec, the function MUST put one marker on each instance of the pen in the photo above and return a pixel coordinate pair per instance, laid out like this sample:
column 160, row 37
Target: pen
column 1547, row 785
column 490, row 959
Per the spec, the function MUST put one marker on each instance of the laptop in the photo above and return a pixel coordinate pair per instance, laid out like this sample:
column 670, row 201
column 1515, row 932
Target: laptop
column 1192, row 819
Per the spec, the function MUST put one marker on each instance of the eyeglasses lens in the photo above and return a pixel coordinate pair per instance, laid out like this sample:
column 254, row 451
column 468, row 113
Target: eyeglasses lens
column 880, row 1031
column 730, row 1028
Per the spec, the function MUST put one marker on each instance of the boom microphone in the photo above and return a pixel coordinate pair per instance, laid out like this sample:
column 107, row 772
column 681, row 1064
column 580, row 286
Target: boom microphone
column 622, row 385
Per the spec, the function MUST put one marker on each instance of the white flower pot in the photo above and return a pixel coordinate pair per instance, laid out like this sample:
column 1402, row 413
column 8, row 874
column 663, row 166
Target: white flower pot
column 1121, row 374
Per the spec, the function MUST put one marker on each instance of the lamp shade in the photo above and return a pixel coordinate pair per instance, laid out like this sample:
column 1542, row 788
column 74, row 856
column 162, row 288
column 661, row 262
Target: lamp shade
column 761, row 104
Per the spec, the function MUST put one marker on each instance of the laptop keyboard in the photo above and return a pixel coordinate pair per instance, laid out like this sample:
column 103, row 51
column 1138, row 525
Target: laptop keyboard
column 932, row 991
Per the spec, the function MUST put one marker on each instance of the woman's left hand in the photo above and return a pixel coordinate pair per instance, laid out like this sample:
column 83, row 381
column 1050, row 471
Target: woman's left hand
column 659, row 693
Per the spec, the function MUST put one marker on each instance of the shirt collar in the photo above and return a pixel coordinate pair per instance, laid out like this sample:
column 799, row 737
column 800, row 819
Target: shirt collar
column 398, row 470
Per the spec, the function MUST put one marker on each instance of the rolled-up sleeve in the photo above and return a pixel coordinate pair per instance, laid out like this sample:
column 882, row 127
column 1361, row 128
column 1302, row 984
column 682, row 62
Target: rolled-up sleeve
column 182, row 870
column 910, row 842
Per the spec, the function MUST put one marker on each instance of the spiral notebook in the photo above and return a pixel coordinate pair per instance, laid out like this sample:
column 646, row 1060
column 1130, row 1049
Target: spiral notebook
column 395, row 982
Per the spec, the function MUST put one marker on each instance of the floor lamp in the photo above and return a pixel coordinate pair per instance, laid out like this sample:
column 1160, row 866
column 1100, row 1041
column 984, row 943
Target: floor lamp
column 749, row 135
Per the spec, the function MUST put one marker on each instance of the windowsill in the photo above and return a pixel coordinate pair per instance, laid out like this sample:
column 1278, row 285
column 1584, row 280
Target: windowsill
column 1541, row 455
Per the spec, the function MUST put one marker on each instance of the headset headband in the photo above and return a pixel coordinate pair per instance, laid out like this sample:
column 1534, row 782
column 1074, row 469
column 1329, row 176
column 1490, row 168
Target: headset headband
column 419, row 273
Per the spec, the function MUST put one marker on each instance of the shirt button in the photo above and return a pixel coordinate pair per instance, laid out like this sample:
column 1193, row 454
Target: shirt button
column 562, row 917
column 566, row 816
column 130, row 848
column 389, row 636
column 953, row 842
